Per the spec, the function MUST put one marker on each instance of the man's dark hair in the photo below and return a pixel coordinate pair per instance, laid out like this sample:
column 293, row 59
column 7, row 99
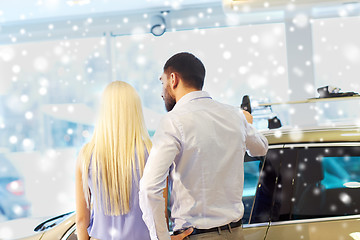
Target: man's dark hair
column 189, row 67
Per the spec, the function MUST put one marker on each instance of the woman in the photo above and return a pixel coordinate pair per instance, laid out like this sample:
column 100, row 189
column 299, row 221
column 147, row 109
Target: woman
column 109, row 168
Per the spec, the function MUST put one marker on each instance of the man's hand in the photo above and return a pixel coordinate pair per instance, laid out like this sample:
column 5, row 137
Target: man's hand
column 182, row 235
column 248, row 116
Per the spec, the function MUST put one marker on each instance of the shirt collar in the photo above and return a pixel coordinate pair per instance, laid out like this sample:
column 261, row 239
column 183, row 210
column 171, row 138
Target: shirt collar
column 192, row 96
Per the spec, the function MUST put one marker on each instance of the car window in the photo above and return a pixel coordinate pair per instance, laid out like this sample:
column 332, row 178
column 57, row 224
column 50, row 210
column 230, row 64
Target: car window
column 266, row 186
column 341, row 172
column 252, row 168
column 283, row 190
column 72, row 236
column 327, row 182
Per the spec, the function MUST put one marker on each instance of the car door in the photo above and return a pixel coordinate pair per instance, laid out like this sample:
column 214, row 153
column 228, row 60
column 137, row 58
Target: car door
column 258, row 207
column 252, row 169
column 325, row 195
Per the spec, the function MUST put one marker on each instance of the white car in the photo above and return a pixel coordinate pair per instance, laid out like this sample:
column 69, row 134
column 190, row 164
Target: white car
column 307, row 187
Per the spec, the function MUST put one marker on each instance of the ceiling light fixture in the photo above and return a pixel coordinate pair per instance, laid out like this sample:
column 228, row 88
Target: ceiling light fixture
column 158, row 26
column 77, row 2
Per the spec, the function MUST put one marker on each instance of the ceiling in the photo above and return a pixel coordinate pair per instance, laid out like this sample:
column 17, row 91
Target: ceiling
column 18, row 10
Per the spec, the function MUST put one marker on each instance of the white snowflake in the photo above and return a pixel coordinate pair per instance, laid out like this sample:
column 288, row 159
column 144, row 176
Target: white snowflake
column 141, row 60
column 13, row 139
column 256, row 81
column 254, row 39
column 6, row 233
column 24, row 98
column 70, row 131
column 333, row 208
column 18, row 210
column 351, row 53
column 85, row 134
column 28, row 144
column 41, row 64
column 278, row 133
column 29, row 115
column 280, row 70
column 309, row 88
column 42, row 91
column 114, row 232
column 227, row 55
column 301, row 20
column 345, row 198
column 16, row 69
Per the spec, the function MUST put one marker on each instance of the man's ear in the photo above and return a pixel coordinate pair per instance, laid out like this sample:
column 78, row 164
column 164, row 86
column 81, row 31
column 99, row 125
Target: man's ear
column 174, row 80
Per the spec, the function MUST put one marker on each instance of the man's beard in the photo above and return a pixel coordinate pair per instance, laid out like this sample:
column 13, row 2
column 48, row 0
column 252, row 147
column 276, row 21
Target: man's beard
column 169, row 100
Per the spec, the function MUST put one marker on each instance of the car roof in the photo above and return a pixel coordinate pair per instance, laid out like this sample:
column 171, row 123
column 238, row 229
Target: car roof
column 342, row 133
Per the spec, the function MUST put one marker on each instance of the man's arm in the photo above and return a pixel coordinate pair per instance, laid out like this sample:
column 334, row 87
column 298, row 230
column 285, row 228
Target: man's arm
column 166, row 193
column 256, row 143
column 166, row 147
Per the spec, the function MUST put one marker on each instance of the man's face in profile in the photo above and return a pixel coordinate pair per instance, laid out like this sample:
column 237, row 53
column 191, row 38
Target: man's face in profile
column 167, row 95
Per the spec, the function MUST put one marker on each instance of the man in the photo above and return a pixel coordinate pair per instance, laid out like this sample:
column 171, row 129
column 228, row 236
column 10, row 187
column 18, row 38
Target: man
column 200, row 144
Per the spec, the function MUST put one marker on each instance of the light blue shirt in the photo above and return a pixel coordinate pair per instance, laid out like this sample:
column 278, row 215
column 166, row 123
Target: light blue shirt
column 202, row 144
column 129, row 226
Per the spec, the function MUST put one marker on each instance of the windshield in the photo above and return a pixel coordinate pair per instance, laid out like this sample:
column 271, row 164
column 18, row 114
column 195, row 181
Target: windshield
column 52, row 222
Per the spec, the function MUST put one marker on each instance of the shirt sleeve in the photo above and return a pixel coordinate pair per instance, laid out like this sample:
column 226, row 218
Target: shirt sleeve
column 256, row 143
column 166, row 147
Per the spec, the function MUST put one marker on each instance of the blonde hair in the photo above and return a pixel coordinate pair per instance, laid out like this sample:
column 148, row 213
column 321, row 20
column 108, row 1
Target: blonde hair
column 119, row 132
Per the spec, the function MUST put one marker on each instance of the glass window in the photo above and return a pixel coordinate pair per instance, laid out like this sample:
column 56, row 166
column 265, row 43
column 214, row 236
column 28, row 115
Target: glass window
column 239, row 61
column 340, row 172
column 337, row 64
column 337, row 52
column 266, row 187
column 283, row 189
column 49, row 91
column 327, row 183
column 252, row 168
column 274, row 193
column 73, row 236
column 48, row 94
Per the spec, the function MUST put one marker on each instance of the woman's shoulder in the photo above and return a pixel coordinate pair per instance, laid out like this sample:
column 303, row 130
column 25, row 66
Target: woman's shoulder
column 84, row 153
